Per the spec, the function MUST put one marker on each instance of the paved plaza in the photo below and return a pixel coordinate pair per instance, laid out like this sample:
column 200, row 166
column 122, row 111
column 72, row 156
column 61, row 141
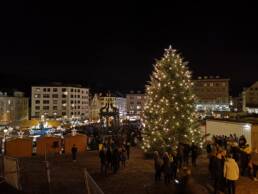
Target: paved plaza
column 137, row 177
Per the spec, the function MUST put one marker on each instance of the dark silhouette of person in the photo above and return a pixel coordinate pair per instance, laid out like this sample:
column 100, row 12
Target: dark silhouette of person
column 74, row 152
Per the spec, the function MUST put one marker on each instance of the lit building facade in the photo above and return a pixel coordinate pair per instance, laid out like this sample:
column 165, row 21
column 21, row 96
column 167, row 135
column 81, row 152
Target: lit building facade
column 60, row 101
column 117, row 100
column 13, row 108
column 237, row 104
column 212, row 94
column 135, row 105
column 120, row 103
column 95, row 106
column 250, row 99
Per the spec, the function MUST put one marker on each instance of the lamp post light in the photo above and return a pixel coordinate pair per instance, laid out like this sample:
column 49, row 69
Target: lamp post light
column 5, row 133
column 9, row 130
column 4, row 140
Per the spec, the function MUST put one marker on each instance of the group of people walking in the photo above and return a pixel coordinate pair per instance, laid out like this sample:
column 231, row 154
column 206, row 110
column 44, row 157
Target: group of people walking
column 170, row 162
column 113, row 155
column 230, row 159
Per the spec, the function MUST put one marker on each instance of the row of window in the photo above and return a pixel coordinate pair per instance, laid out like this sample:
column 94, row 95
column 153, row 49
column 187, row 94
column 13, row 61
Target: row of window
column 56, row 107
column 63, row 102
column 16, row 102
column 138, row 102
column 138, row 107
column 210, row 90
column 134, row 112
column 210, row 84
column 137, row 97
column 63, row 90
column 57, row 96
column 252, row 99
column 63, row 113
column 254, row 89
column 253, row 93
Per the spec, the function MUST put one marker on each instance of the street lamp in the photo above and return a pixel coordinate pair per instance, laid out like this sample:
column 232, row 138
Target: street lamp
column 10, row 129
column 5, row 133
column 4, row 140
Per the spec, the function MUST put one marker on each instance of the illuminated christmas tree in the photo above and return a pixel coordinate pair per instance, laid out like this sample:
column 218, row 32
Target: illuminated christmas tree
column 169, row 112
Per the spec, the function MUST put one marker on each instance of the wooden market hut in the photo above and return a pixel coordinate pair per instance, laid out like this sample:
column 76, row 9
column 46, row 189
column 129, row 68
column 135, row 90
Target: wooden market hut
column 79, row 140
column 19, row 147
column 48, row 145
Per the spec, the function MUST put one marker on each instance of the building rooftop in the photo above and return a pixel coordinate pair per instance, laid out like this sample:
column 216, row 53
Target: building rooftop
column 112, row 94
column 136, row 92
column 205, row 78
column 11, row 93
column 59, row 84
column 251, row 119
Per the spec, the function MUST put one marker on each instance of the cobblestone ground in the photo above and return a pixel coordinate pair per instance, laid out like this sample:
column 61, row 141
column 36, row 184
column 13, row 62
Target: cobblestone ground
column 136, row 178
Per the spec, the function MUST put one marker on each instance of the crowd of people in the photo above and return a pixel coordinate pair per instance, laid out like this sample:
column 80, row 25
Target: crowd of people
column 113, row 155
column 230, row 157
column 171, row 162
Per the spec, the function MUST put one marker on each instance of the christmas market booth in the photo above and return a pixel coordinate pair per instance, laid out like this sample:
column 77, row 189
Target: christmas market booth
column 79, row 140
column 48, row 145
column 227, row 127
column 19, row 147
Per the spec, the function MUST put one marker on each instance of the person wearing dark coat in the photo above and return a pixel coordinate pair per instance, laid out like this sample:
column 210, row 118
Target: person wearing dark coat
column 212, row 158
column 166, row 168
column 103, row 161
column 174, row 166
column 115, row 160
column 123, row 156
column 157, row 166
column 109, row 157
column 74, row 152
column 127, row 147
column 180, row 155
column 244, row 161
column 208, row 148
column 194, row 151
column 218, row 173
column 186, row 151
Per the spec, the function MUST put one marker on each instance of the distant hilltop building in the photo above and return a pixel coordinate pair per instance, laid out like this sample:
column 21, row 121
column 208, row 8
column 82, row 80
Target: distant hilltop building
column 250, row 99
column 14, row 107
column 60, row 101
column 212, row 93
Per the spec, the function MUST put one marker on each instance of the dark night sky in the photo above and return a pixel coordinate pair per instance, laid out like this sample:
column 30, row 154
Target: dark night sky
column 108, row 47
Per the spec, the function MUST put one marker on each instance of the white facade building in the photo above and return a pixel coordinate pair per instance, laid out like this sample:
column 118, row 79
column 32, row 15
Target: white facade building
column 59, row 101
column 120, row 103
column 135, row 105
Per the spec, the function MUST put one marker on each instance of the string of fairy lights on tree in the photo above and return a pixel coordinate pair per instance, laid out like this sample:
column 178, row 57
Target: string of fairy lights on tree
column 169, row 111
